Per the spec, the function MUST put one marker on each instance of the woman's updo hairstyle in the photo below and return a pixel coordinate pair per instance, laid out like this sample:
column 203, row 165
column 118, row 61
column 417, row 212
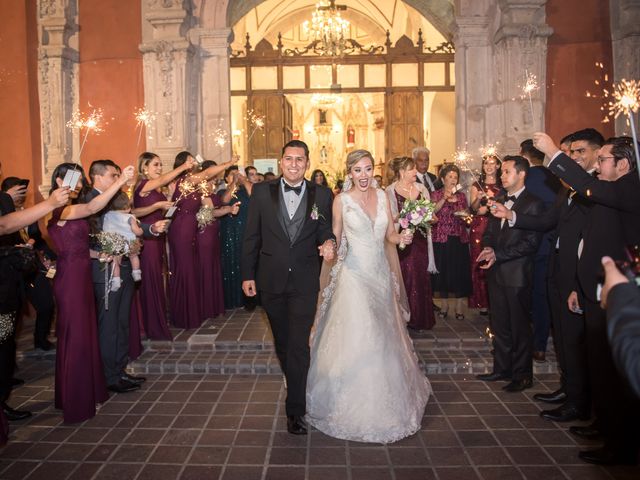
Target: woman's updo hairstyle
column 357, row 155
column 400, row 163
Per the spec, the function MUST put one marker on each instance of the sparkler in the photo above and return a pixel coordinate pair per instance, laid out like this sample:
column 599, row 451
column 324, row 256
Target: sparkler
column 143, row 117
column 220, row 137
column 530, row 85
column 489, row 150
column 256, row 121
column 626, row 100
column 461, row 158
column 92, row 123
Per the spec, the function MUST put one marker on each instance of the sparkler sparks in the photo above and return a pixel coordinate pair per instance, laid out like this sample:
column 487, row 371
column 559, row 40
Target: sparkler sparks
column 91, row 123
column 626, row 100
column 144, row 118
column 489, row 150
column 530, row 85
column 256, row 120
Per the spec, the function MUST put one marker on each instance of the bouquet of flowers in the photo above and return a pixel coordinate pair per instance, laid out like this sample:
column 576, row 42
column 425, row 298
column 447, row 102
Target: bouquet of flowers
column 205, row 217
column 112, row 244
column 416, row 215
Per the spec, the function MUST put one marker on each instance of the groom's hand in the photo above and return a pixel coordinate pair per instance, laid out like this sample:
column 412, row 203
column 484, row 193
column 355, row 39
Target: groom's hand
column 328, row 249
column 249, row 288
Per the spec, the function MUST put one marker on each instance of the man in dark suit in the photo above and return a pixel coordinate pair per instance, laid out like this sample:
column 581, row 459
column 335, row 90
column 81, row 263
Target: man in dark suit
column 113, row 323
column 613, row 222
column 421, row 158
column 508, row 255
column 544, row 185
column 289, row 220
column 565, row 220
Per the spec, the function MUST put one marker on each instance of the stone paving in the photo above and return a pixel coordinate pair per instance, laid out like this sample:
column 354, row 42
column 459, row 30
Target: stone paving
column 216, row 425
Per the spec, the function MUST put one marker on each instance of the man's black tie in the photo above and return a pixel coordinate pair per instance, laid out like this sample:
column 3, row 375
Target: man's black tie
column 297, row 190
column 513, row 198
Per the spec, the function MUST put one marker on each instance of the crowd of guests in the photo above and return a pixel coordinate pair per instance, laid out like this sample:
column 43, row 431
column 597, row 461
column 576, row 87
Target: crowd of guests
column 521, row 243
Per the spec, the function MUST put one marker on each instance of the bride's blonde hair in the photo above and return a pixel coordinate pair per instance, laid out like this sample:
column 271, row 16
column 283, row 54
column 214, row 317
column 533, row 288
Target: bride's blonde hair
column 357, row 155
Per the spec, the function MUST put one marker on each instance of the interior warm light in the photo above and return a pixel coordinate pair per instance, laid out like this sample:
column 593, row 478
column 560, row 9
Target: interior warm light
column 328, row 27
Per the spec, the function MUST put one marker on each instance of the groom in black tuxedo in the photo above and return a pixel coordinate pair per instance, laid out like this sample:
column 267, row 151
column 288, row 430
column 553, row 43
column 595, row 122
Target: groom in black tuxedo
column 508, row 256
column 289, row 222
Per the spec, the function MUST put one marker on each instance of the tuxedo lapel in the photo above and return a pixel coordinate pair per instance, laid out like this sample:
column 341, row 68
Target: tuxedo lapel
column 311, row 189
column 274, row 189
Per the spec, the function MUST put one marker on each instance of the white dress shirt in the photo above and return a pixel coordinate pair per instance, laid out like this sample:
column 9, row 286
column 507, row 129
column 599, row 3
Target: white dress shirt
column 291, row 199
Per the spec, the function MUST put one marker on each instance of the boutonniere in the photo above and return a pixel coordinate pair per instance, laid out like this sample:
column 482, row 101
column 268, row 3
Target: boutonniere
column 315, row 214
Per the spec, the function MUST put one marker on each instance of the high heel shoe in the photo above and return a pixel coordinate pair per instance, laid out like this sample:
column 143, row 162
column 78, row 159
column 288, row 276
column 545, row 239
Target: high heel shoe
column 459, row 316
column 442, row 314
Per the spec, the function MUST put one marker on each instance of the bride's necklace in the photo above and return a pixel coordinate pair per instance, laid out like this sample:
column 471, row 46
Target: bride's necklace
column 363, row 199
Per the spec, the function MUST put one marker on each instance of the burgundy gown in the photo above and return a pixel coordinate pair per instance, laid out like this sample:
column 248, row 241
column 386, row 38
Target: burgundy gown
column 414, row 263
column 479, row 297
column 210, row 268
column 151, row 294
column 80, row 382
column 184, row 286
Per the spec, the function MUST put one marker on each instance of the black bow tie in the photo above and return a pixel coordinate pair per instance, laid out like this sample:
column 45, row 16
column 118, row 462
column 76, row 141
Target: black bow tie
column 513, row 198
column 288, row 188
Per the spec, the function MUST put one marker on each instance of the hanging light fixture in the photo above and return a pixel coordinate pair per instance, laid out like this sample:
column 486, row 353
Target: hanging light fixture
column 328, row 28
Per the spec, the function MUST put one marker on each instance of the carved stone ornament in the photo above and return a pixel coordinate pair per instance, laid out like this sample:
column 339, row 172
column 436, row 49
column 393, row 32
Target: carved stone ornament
column 48, row 8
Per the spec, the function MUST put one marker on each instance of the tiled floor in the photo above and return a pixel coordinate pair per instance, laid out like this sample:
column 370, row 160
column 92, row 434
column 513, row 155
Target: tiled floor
column 212, row 425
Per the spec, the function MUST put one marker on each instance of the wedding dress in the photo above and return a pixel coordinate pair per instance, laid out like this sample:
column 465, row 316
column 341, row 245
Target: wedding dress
column 364, row 382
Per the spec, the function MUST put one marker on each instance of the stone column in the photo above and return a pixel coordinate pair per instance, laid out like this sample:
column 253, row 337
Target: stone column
column 625, row 36
column 57, row 83
column 520, row 46
column 168, row 73
column 473, row 62
column 213, row 104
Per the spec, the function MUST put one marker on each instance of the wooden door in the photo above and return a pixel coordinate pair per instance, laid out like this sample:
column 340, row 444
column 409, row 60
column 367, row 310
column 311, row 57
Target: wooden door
column 404, row 126
column 268, row 141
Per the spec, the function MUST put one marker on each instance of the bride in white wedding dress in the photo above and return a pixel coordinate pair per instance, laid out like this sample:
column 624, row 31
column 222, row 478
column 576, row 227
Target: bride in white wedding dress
column 364, row 382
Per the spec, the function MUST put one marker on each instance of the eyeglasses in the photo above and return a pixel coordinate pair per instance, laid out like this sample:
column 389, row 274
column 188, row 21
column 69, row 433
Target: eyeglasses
column 602, row 159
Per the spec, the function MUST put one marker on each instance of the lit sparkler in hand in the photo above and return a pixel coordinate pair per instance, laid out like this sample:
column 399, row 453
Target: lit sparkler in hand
column 462, row 158
column 220, row 137
column 530, row 86
column 489, row 150
column 144, row 118
column 626, row 100
column 92, row 123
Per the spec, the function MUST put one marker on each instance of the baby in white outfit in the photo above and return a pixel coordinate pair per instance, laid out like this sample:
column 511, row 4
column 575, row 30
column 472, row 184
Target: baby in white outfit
column 119, row 220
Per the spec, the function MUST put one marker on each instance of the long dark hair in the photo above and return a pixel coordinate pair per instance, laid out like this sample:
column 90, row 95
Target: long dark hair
column 324, row 177
column 61, row 170
column 483, row 176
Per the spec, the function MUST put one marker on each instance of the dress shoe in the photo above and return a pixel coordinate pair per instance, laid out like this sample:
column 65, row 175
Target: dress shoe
column 44, row 345
column 539, row 357
column 12, row 414
column 554, row 397
column 607, row 456
column 296, row 425
column 123, row 386
column 564, row 413
column 493, row 377
column 589, row 432
column 16, row 382
column 135, row 379
column 518, row 385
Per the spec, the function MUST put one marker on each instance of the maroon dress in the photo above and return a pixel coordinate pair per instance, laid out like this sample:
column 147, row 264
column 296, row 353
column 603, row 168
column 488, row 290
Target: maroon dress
column 210, row 267
column 80, row 382
column 414, row 263
column 479, row 297
column 152, row 295
column 184, row 286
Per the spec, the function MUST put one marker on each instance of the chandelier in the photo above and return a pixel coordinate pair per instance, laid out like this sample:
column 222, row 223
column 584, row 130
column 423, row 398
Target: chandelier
column 328, row 28
column 326, row 100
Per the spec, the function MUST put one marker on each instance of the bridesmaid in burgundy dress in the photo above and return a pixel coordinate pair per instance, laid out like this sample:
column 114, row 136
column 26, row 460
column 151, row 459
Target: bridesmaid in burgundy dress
column 79, row 382
column 150, row 204
column 209, row 253
column 489, row 187
column 185, row 289
column 416, row 260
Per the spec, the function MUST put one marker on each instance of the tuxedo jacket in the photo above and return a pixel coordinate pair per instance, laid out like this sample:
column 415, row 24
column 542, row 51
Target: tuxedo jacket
column 436, row 183
column 514, row 248
column 565, row 221
column 612, row 223
column 544, row 185
column 269, row 256
column 623, row 326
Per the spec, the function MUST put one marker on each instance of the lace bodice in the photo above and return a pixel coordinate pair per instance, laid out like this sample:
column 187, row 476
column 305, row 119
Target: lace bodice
column 364, row 236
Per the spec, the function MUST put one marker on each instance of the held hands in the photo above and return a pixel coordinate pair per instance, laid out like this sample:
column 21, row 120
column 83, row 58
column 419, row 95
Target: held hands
column 249, row 288
column 328, row 250
column 487, row 258
column 59, row 197
column 545, row 144
column 612, row 277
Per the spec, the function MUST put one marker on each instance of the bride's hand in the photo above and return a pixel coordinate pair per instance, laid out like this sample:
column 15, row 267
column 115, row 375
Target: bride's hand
column 406, row 237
